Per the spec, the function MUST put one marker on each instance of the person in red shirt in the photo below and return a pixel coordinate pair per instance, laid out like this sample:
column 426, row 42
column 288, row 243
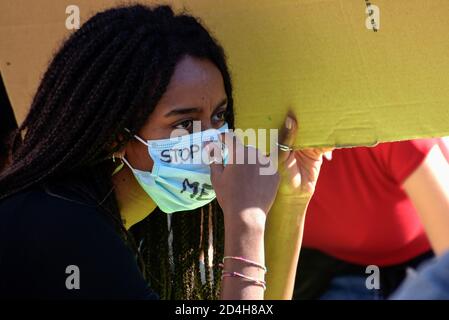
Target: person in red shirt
column 386, row 206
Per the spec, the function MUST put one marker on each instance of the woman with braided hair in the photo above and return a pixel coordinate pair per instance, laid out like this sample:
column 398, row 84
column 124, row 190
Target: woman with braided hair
column 92, row 158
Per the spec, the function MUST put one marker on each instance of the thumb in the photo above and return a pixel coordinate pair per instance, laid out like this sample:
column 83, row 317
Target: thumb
column 287, row 135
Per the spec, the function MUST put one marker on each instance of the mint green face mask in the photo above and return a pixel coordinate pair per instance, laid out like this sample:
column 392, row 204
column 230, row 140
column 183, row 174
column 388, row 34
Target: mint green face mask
column 180, row 178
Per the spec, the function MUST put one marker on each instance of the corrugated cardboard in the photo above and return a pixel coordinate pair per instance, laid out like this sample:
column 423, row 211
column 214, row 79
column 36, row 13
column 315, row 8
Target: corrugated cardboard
column 350, row 85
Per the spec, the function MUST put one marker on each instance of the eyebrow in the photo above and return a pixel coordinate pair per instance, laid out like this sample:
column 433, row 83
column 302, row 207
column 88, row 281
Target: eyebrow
column 176, row 112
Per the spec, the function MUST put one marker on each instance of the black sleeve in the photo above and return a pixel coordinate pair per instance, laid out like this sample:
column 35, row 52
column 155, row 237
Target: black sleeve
column 72, row 251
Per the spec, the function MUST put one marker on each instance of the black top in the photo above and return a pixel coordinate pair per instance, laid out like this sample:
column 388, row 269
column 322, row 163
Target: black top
column 48, row 243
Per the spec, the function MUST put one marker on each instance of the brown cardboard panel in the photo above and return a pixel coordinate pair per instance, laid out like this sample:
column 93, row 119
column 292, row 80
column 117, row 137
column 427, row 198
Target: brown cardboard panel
column 348, row 84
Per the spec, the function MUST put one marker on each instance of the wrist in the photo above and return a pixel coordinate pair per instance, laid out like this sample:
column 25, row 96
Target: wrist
column 292, row 202
column 248, row 243
column 250, row 220
column 245, row 231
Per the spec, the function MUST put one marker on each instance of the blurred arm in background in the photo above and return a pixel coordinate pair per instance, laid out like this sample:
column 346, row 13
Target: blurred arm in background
column 428, row 188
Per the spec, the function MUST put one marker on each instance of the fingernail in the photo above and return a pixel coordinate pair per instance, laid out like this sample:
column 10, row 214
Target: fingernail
column 288, row 123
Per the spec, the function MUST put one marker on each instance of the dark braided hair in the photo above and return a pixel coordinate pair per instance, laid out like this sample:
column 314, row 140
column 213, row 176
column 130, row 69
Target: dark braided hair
column 107, row 76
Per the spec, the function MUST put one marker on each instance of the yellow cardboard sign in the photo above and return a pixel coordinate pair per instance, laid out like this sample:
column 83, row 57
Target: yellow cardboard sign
column 355, row 72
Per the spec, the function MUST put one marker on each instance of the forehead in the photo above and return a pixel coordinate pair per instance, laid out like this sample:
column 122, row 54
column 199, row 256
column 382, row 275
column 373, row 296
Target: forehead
column 194, row 79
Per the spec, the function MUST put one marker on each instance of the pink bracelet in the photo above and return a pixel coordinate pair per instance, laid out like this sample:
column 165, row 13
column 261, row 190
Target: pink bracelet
column 239, row 275
column 253, row 263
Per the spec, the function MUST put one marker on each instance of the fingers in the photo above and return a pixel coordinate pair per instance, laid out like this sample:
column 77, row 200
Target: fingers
column 215, row 160
column 313, row 157
column 237, row 153
column 287, row 135
column 326, row 153
column 234, row 147
column 216, row 170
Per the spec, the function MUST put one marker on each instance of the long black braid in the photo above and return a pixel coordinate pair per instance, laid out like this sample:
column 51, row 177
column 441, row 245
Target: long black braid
column 107, row 76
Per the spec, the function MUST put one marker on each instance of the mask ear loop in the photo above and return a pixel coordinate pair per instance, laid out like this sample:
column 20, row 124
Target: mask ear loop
column 137, row 137
column 122, row 158
column 124, row 161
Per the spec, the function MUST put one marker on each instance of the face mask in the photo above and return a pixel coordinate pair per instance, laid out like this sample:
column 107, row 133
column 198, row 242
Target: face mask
column 180, row 178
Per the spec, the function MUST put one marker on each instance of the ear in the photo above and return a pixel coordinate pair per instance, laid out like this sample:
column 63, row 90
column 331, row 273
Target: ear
column 119, row 154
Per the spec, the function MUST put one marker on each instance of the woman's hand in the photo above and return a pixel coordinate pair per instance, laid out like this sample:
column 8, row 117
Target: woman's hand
column 299, row 169
column 240, row 187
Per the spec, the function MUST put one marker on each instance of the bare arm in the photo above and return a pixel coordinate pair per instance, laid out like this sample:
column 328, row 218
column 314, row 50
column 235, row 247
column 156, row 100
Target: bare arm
column 244, row 240
column 282, row 246
column 428, row 188
column 285, row 222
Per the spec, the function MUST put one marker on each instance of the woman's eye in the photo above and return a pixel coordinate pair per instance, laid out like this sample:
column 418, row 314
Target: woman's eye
column 220, row 116
column 186, row 125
